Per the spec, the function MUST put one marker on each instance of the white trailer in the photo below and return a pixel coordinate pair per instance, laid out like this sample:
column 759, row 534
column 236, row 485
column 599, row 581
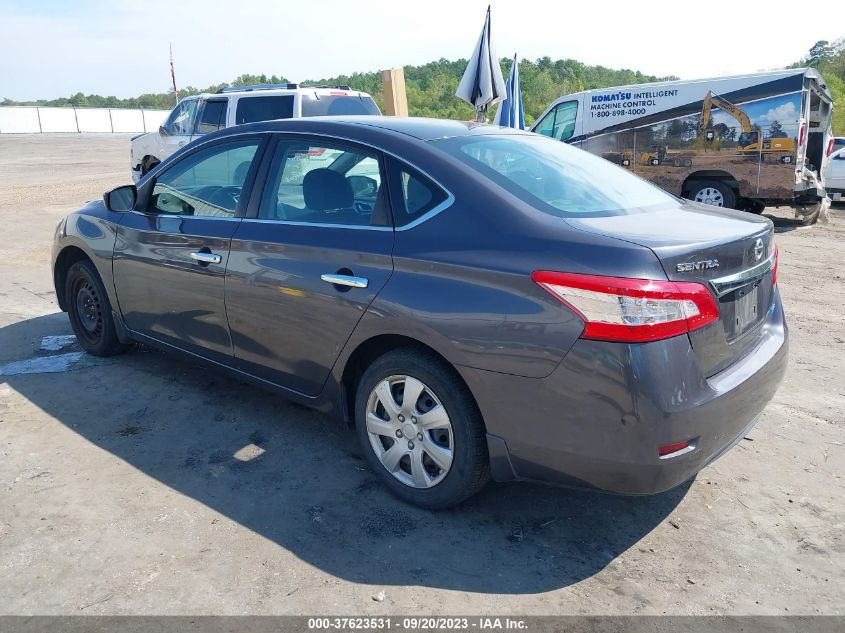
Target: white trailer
column 743, row 142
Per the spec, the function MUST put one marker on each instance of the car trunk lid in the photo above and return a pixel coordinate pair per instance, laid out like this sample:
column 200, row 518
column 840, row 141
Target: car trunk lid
column 730, row 252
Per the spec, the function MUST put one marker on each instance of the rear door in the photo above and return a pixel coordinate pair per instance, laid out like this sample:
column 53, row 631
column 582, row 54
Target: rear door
column 170, row 255
column 308, row 260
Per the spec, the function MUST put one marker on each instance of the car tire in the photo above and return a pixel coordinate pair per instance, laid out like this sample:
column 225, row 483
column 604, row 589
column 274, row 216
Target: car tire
column 713, row 192
column 90, row 311
column 438, row 457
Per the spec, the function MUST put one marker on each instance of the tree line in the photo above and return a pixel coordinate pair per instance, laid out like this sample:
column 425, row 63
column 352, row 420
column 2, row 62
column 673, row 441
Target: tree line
column 431, row 87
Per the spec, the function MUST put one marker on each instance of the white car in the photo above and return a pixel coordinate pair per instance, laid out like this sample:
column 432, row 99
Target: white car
column 201, row 114
column 834, row 176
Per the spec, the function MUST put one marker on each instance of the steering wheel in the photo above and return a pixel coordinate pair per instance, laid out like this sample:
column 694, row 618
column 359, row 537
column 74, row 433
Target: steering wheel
column 225, row 198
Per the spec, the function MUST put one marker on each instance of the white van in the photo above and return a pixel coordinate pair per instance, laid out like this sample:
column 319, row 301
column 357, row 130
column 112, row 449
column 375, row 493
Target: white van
column 201, row 114
column 743, row 142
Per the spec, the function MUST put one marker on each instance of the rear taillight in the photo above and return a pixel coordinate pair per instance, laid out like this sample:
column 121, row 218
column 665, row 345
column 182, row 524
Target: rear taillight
column 775, row 266
column 802, row 135
column 631, row 310
column 830, row 146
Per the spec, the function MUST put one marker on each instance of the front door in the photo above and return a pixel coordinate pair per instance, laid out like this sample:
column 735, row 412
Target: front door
column 170, row 257
column 303, row 272
column 176, row 131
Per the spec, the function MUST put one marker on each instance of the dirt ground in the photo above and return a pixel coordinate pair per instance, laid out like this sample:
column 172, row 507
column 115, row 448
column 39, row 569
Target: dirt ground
column 124, row 486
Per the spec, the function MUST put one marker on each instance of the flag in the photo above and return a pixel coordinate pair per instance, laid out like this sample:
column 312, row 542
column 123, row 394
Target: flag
column 173, row 74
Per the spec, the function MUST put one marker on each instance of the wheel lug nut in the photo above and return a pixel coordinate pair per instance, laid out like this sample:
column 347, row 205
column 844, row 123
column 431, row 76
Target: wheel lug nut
column 410, row 445
column 419, row 437
column 401, row 418
column 413, row 419
column 398, row 433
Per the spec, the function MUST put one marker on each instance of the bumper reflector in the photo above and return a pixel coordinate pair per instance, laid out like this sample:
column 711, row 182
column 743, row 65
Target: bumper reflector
column 675, row 449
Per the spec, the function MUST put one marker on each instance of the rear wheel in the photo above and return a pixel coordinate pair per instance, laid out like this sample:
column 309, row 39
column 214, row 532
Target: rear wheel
column 420, row 430
column 712, row 192
column 90, row 311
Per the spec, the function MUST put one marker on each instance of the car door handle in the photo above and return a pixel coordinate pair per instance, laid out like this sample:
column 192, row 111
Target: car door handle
column 346, row 280
column 206, row 258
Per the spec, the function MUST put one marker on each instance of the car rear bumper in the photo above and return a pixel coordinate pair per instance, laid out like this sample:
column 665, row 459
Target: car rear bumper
column 599, row 419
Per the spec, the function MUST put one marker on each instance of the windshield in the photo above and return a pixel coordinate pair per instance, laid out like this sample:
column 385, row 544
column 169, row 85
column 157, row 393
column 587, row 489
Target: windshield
column 330, row 105
column 554, row 177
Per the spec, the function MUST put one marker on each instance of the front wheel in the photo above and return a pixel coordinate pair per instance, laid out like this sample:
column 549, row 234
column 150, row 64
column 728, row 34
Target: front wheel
column 713, row 192
column 148, row 164
column 89, row 310
column 420, row 430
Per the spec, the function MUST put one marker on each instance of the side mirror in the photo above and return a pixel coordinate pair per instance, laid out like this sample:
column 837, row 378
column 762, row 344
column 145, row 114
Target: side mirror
column 121, row 199
column 163, row 131
column 363, row 186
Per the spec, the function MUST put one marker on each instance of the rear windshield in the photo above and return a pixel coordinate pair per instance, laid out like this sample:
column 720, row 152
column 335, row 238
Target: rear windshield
column 554, row 177
column 330, row 105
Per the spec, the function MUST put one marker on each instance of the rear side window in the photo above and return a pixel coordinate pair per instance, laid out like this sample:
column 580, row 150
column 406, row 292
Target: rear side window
column 559, row 123
column 252, row 109
column 213, row 117
column 325, row 183
column 331, row 105
column 413, row 194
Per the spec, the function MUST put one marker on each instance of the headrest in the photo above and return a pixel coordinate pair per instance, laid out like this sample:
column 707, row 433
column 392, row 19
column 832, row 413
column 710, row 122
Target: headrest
column 326, row 190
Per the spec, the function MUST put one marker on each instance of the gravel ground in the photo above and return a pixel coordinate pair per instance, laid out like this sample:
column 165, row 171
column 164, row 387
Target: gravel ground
column 144, row 485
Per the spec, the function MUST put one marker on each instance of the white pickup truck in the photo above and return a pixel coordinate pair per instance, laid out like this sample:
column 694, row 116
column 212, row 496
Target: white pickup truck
column 201, row 114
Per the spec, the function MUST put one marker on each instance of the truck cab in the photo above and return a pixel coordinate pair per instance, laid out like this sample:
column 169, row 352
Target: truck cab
column 197, row 115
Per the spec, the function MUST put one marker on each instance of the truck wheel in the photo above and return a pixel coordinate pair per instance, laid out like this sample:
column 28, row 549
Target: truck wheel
column 148, row 164
column 753, row 206
column 712, row 192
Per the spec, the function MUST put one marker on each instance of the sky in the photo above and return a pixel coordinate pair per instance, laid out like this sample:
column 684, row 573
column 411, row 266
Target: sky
column 54, row 48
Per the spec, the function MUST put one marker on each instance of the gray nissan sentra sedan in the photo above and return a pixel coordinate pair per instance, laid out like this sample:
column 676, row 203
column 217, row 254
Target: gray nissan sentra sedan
column 474, row 301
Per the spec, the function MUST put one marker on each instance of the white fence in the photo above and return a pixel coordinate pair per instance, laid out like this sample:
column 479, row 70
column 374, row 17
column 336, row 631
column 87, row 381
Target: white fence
column 30, row 119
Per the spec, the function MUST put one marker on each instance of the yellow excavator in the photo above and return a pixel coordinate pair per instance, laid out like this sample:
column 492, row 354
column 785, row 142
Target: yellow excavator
column 750, row 140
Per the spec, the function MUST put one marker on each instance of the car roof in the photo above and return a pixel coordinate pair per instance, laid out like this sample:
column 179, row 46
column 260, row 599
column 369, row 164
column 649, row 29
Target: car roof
column 420, row 128
column 269, row 92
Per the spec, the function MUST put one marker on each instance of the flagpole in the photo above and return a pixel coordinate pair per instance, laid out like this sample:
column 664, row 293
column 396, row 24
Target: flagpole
column 173, row 75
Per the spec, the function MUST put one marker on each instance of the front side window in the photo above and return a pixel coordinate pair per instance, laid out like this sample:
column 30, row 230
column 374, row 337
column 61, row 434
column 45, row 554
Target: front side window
column 559, row 123
column 556, row 178
column 206, row 183
column 324, row 183
column 213, row 117
column 254, row 109
column 181, row 119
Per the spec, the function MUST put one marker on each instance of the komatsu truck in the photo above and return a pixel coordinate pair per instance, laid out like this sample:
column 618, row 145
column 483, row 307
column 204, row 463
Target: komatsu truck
column 745, row 142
